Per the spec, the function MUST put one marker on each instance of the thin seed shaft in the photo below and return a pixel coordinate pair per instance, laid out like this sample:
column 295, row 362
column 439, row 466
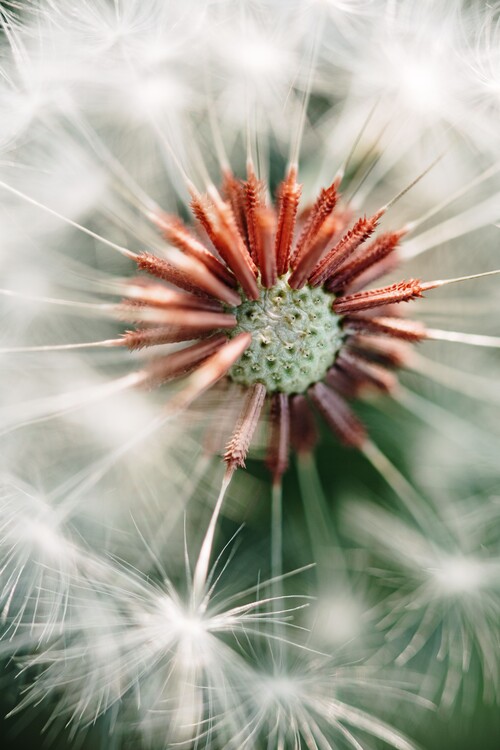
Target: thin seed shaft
column 237, row 447
column 279, row 438
column 338, row 415
column 403, row 291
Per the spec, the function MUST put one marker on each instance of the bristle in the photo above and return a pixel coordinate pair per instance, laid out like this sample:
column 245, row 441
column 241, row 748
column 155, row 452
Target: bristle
column 289, row 197
column 403, row 291
column 179, row 235
column 188, row 274
column 181, row 362
column 338, row 415
column 218, row 220
column 279, row 437
column 237, row 447
column 379, row 249
column 350, row 242
column 408, row 330
column 303, row 431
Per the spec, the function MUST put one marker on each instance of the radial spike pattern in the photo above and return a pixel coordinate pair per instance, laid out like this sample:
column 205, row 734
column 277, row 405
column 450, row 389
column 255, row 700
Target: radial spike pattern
column 376, row 252
column 259, row 299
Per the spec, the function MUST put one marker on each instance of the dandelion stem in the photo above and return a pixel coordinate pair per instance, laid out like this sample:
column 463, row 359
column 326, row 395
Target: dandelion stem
column 277, row 545
column 325, row 546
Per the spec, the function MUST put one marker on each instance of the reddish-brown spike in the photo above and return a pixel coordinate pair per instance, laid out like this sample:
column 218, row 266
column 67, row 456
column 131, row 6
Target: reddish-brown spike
column 279, row 437
column 339, row 253
column 303, row 430
column 234, row 192
column 186, row 319
column 179, row 363
column 188, row 274
column 237, row 447
column 145, row 337
column 221, row 417
column 215, row 368
column 289, row 197
column 218, row 220
column 379, row 249
column 324, row 205
column 386, row 351
column 403, row 291
column 341, row 383
column 264, row 231
column 331, row 227
column 338, row 415
column 253, row 202
column 367, row 373
column 408, row 330
column 179, row 235
column 382, row 268
column 142, row 291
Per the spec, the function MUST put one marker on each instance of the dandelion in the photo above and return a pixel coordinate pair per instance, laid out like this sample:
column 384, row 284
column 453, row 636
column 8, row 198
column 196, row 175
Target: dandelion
column 236, row 229
column 439, row 597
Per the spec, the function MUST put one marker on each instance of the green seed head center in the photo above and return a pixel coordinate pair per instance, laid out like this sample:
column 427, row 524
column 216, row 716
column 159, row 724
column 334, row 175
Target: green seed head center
column 295, row 338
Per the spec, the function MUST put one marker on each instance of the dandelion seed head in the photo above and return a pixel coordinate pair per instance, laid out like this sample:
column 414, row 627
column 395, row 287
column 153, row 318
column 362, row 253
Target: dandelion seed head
column 459, row 575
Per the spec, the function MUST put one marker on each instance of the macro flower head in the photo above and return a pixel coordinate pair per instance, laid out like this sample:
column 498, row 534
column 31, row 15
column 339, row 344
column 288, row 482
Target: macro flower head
column 249, row 268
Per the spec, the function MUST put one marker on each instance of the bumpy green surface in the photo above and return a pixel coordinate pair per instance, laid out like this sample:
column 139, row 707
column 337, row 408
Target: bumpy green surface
column 296, row 337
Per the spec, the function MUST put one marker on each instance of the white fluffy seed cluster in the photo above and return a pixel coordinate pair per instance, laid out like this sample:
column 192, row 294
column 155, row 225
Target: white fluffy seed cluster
column 296, row 337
